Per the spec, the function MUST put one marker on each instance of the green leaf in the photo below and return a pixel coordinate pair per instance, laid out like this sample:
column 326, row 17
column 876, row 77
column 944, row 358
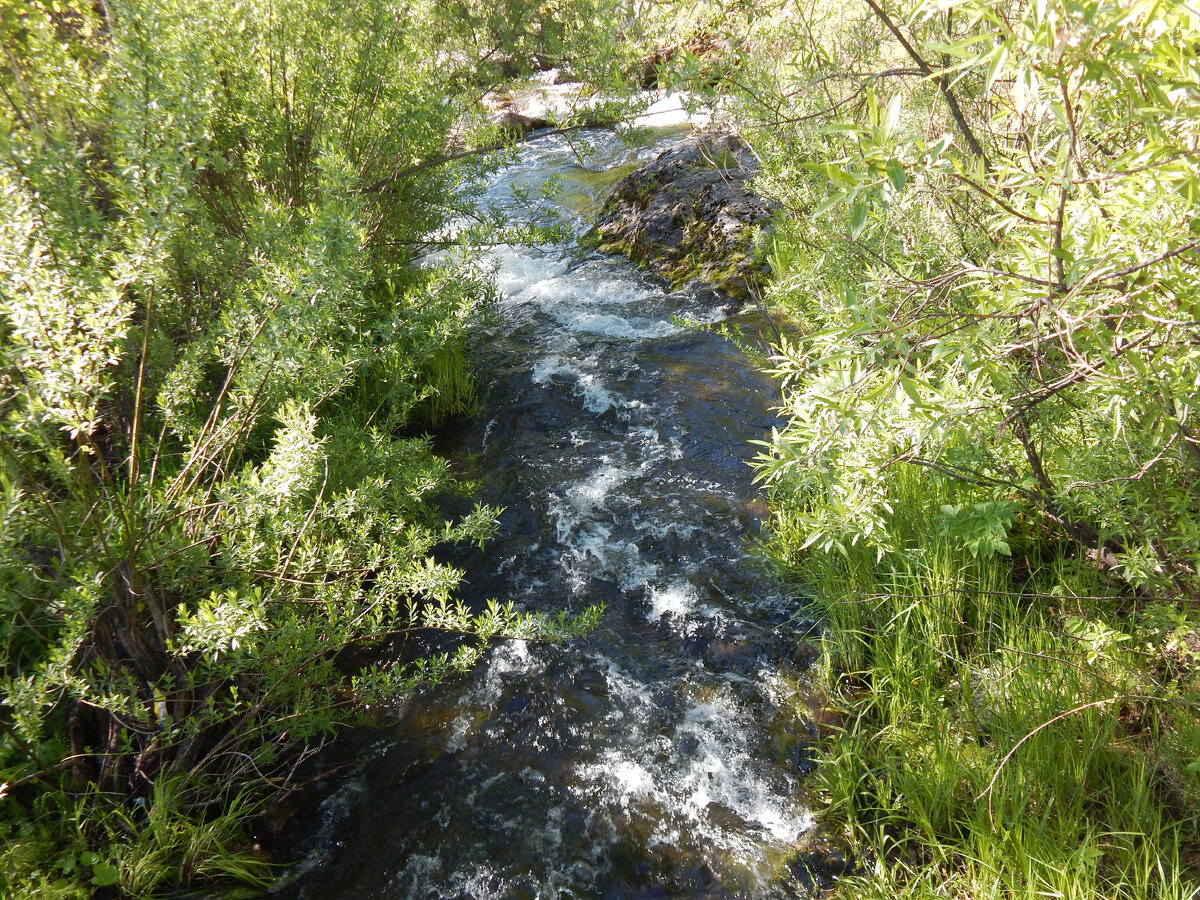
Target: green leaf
column 896, row 175
column 105, row 874
column 827, row 204
column 858, row 219
column 910, row 388
column 939, row 146
column 891, row 116
column 998, row 60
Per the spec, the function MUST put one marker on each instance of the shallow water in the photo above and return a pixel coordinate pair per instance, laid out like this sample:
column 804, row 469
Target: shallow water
column 663, row 755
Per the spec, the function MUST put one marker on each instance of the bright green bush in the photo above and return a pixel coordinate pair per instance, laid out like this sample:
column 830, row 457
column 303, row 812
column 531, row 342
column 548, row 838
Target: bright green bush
column 985, row 269
column 213, row 343
column 1006, row 296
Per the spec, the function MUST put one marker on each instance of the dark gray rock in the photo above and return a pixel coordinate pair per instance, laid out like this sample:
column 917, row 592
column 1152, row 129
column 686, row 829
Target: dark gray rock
column 690, row 215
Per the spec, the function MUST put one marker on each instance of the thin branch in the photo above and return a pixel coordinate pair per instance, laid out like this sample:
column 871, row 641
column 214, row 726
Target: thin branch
column 939, row 79
column 995, row 199
column 1000, row 768
column 1056, row 261
column 1077, row 375
column 1170, row 254
column 384, row 183
column 136, row 427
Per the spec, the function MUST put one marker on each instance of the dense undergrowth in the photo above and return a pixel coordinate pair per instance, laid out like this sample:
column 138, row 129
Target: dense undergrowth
column 218, row 359
column 985, row 278
column 1008, row 731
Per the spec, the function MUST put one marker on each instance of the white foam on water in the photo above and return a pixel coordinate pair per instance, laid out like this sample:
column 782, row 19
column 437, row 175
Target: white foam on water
column 487, row 433
column 418, row 868
column 654, row 445
column 664, row 528
column 722, row 770
column 546, row 369
column 677, row 599
column 586, row 497
column 521, row 272
column 479, row 884
column 431, row 877
column 595, row 283
column 592, row 553
column 596, row 396
column 613, row 326
column 695, row 784
column 581, row 300
column 425, row 876
column 631, row 779
column 510, row 658
column 564, row 288
column 630, row 696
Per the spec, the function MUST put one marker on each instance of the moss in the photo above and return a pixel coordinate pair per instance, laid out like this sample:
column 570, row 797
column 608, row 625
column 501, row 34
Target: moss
column 665, row 218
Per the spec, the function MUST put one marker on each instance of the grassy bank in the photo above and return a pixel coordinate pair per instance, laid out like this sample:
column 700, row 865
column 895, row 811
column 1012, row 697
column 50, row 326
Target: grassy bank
column 1011, row 727
column 984, row 270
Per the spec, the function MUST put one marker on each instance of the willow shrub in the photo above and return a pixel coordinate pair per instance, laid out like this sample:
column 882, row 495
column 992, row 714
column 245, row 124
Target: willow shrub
column 995, row 266
column 986, row 262
column 211, row 339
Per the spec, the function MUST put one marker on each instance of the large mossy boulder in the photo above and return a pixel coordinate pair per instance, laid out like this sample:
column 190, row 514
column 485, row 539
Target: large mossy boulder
column 690, row 215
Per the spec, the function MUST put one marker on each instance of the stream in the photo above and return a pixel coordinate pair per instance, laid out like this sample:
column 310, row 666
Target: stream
column 664, row 754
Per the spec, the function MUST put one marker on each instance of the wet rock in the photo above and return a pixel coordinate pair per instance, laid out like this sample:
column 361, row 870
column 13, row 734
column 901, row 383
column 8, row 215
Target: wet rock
column 542, row 102
column 822, row 857
column 691, row 216
column 734, row 655
column 525, row 109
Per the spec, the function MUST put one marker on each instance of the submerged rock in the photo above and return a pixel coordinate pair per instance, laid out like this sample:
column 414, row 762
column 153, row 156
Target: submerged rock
column 822, row 857
column 690, row 215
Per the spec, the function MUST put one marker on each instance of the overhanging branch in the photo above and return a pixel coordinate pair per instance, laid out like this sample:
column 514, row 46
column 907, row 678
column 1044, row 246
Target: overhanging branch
column 939, row 79
column 384, row 183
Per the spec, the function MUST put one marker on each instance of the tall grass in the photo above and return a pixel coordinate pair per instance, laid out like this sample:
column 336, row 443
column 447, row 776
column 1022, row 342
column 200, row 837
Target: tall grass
column 147, row 850
column 1009, row 729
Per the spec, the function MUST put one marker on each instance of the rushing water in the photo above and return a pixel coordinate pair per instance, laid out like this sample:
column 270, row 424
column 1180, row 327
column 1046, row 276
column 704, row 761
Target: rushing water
column 662, row 755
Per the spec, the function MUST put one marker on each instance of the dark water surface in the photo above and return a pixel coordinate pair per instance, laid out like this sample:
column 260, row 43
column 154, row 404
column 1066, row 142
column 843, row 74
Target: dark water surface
column 660, row 756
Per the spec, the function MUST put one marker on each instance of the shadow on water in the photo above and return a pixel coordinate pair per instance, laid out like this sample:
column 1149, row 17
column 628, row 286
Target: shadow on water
column 663, row 755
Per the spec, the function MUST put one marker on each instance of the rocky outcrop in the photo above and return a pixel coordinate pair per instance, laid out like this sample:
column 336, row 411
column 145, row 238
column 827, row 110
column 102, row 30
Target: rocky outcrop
column 690, row 215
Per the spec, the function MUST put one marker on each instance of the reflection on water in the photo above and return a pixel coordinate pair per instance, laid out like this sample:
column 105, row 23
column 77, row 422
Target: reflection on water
column 656, row 757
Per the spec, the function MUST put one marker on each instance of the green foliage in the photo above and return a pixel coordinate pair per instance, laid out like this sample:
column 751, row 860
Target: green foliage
column 215, row 353
column 1017, row 318
column 994, row 744
column 501, row 41
column 988, row 460
column 145, row 849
